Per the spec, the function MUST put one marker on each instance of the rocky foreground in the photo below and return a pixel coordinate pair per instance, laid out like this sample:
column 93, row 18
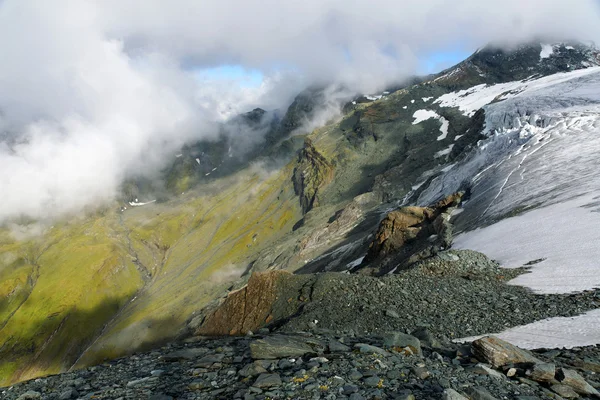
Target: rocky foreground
column 320, row 366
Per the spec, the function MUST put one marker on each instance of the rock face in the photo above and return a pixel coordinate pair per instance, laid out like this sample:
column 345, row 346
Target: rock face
column 252, row 307
column 411, row 234
column 312, row 173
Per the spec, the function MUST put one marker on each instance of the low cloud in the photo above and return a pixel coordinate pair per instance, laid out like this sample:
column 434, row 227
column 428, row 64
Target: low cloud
column 93, row 92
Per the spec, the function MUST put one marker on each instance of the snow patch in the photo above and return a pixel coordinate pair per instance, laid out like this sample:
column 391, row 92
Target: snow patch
column 444, row 152
column 423, row 115
column 426, row 99
column 412, row 102
column 547, row 51
column 355, row 263
column 138, row 204
column 551, row 333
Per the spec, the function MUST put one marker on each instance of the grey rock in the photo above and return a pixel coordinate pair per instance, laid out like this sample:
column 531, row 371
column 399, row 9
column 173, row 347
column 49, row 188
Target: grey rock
column 252, row 369
column 336, row 347
column 542, row 372
column 421, row 372
column 372, row 381
column 68, row 393
column 267, row 380
column 160, row 397
column 279, row 346
column 355, row 375
column 369, row 349
column 426, row 337
column 209, row 360
column 451, row 394
column 184, row 354
column 30, row 395
column 349, row 389
column 564, row 391
column 479, row 393
column 483, row 369
column 356, row 396
column 391, row 313
column 399, row 339
column 573, row 379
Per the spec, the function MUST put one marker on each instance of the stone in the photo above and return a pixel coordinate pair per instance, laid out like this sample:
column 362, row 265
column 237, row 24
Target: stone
column 369, row 349
column 511, row 372
column 483, row 369
column 279, row 346
column 574, row 380
column 542, row 372
column 356, row 396
column 68, row 393
column 30, row 395
column 185, row 354
column 497, row 352
column 391, row 313
column 479, row 393
column 267, row 380
column 252, row 369
column 372, row 381
column 209, row 360
column 451, row 394
column 402, row 340
column 421, row 372
column 564, row 391
column 426, row 338
column 355, row 375
column 349, row 389
column 335, row 346
column 160, row 397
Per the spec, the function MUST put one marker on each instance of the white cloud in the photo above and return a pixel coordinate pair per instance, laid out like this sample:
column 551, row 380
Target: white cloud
column 91, row 91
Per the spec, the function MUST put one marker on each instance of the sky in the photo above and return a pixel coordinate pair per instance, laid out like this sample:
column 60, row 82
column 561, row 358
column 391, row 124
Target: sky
column 93, row 92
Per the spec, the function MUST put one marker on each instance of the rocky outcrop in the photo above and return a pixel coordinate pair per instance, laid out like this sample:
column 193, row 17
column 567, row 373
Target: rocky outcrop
column 313, row 171
column 268, row 296
column 411, row 234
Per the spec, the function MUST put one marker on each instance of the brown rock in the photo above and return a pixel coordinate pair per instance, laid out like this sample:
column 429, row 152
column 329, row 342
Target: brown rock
column 247, row 309
column 574, row 380
column 497, row 352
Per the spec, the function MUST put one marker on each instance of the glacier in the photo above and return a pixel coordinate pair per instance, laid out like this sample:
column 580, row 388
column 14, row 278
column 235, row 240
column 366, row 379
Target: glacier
column 534, row 186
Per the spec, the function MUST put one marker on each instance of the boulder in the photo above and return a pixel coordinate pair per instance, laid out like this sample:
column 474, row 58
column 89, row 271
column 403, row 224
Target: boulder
column 576, row 382
column 498, row 353
column 402, row 340
column 267, row 380
column 542, row 372
column 251, row 307
column 280, row 346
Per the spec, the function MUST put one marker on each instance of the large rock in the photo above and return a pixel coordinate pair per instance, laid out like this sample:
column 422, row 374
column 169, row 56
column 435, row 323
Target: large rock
column 253, row 306
column 280, row 346
column 402, row 341
column 542, row 372
column 498, row 353
column 576, row 382
column 411, row 234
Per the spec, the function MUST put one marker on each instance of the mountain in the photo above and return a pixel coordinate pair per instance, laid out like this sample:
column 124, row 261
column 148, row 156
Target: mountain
column 511, row 130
